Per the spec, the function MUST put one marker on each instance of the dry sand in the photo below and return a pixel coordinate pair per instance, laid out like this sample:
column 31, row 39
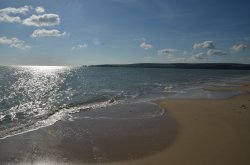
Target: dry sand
column 211, row 131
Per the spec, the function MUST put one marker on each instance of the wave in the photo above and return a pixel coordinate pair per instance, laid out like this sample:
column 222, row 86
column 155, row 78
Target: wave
column 63, row 113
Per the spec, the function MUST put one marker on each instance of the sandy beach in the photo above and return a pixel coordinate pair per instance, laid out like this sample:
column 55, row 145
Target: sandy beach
column 210, row 131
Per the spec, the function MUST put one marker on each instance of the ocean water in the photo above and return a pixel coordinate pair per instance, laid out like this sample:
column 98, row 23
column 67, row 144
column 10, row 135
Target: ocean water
column 32, row 97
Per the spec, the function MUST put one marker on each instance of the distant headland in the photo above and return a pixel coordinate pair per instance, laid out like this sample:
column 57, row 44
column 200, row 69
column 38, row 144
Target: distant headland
column 231, row 66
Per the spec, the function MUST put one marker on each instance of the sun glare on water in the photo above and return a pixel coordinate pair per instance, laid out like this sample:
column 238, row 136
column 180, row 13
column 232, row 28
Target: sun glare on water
column 45, row 69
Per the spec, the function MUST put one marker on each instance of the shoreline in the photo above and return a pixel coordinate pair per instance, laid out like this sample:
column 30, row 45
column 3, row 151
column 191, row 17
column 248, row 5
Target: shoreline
column 191, row 131
column 210, row 131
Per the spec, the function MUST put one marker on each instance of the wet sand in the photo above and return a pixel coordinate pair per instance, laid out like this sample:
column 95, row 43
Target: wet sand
column 210, row 131
column 114, row 134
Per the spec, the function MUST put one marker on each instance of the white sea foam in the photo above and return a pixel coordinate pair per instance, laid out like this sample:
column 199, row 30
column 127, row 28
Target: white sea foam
column 62, row 114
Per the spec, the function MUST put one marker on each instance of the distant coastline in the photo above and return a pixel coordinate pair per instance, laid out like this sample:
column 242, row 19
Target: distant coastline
column 218, row 66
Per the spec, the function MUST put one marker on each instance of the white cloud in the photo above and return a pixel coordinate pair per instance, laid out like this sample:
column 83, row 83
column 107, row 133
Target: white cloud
column 42, row 20
column 166, row 51
column 199, row 56
column 205, row 45
column 48, row 33
column 12, row 10
column 239, row 47
column 212, row 52
column 6, row 14
column 146, row 46
column 14, row 42
column 9, row 19
column 84, row 45
column 9, row 15
column 40, row 9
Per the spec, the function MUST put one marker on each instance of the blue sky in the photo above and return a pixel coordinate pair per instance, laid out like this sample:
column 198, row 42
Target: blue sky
column 85, row 32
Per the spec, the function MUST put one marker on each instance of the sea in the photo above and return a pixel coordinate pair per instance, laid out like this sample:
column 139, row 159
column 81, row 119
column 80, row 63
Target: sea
column 32, row 97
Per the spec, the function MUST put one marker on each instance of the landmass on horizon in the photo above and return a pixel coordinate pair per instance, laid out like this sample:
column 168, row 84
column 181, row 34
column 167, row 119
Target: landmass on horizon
column 233, row 66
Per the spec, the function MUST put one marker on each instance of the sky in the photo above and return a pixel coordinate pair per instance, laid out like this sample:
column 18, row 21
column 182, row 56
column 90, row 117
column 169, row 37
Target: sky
column 87, row 32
